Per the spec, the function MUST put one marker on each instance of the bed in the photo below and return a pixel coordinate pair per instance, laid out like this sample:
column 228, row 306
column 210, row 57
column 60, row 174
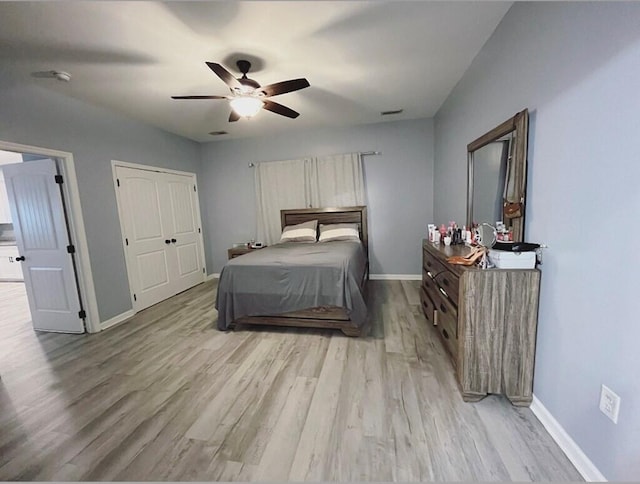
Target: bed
column 318, row 285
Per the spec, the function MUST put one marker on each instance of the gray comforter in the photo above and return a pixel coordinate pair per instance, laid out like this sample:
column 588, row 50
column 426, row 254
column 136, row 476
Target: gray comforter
column 291, row 277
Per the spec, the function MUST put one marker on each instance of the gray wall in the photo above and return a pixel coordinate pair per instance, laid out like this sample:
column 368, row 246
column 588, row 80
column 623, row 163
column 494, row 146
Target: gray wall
column 576, row 66
column 399, row 186
column 35, row 116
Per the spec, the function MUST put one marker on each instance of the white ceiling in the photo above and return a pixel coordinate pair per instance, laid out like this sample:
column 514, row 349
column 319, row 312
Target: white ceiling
column 361, row 58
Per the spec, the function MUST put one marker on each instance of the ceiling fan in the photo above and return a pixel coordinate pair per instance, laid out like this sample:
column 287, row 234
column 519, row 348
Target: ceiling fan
column 247, row 96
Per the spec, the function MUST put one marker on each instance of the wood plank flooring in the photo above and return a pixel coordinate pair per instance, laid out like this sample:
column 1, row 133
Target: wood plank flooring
column 168, row 397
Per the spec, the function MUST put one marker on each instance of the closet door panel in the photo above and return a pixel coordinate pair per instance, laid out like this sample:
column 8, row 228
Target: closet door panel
column 141, row 198
column 184, row 220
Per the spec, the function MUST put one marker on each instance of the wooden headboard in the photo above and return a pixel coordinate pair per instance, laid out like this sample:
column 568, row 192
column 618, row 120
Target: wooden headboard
column 339, row 215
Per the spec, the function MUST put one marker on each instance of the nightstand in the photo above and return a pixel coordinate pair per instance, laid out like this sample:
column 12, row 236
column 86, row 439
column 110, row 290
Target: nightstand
column 238, row 251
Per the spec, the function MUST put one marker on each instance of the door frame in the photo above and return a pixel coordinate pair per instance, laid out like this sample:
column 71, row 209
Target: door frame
column 157, row 169
column 75, row 222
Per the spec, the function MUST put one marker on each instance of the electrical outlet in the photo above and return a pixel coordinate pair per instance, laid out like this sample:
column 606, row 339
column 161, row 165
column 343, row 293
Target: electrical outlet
column 609, row 403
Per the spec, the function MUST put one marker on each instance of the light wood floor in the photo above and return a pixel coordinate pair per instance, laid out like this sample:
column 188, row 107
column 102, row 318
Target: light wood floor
column 168, row 397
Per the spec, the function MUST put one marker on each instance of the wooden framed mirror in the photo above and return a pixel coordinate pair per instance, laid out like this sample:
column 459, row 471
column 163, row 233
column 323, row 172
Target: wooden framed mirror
column 496, row 160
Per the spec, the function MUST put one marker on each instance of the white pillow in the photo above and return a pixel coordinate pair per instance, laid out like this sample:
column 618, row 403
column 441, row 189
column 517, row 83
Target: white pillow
column 304, row 232
column 339, row 232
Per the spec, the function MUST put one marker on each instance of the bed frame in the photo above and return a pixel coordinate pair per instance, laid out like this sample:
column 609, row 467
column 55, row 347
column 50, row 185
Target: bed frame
column 324, row 316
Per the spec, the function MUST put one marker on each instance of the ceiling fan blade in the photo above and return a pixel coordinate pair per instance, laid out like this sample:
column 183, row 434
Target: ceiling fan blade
column 279, row 109
column 225, row 75
column 199, row 97
column 284, row 87
column 233, row 116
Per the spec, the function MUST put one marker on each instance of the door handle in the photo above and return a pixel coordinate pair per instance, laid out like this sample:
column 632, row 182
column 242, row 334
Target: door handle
column 20, row 258
column 173, row 241
column 167, row 241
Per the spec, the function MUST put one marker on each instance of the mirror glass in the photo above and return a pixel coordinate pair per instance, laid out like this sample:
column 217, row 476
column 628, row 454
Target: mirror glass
column 486, row 235
column 489, row 172
column 499, row 158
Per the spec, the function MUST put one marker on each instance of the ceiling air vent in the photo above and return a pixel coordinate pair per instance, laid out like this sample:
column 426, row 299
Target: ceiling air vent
column 387, row 113
column 218, row 133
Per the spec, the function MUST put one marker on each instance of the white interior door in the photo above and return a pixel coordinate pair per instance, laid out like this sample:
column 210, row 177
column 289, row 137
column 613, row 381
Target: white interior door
column 142, row 194
column 161, row 225
column 185, row 237
column 42, row 238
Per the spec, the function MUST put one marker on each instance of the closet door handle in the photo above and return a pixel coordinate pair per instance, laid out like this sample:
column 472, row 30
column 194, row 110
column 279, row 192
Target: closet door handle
column 173, row 241
column 167, row 241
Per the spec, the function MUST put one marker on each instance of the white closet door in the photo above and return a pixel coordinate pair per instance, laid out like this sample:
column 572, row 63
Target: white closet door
column 185, row 238
column 142, row 195
column 161, row 225
column 42, row 238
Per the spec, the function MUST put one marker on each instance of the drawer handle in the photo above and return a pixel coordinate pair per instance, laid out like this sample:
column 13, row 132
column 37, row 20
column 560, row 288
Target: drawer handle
column 443, row 292
column 443, row 308
column 445, row 334
column 444, row 280
column 428, row 263
column 429, row 274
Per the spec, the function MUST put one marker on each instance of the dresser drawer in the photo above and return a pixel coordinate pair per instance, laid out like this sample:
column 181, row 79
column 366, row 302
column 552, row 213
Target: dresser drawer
column 447, row 320
column 427, row 305
column 432, row 265
column 430, row 286
column 449, row 283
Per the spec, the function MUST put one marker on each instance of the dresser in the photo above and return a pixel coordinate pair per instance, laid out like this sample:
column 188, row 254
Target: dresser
column 10, row 268
column 487, row 321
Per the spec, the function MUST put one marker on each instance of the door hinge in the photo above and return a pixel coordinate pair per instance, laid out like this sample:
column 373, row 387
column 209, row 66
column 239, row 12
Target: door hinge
column 58, row 179
column 82, row 314
column 194, row 188
column 71, row 249
column 203, row 271
column 126, row 241
column 135, row 298
column 198, row 229
column 118, row 181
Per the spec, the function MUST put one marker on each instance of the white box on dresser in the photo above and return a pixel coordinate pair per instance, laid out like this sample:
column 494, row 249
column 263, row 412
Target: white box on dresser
column 503, row 259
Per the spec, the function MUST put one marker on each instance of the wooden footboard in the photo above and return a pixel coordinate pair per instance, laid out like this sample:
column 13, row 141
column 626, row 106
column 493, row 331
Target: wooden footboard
column 304, row 319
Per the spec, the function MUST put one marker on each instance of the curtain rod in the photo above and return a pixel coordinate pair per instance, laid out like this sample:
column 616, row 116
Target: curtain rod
column 361, row 153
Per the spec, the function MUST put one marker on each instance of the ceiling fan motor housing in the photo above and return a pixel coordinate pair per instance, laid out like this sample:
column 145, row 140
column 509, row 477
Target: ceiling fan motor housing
column 244, row 66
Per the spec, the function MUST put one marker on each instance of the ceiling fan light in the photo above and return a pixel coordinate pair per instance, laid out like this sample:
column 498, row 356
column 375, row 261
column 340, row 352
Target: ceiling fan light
column 246, row 106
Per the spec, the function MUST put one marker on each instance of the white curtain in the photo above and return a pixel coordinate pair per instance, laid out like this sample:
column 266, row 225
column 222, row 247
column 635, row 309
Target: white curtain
column 337, row 181
column 280, row 185
column 328, row 181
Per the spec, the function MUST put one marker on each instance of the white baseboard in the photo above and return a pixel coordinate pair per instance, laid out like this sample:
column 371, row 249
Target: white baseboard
column 120, row 318
column 215, row 275
column 578, row 458
column 395, row 277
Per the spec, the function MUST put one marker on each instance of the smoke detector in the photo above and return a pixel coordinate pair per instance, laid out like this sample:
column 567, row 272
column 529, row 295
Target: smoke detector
column 53, row 74
column 61, row 75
